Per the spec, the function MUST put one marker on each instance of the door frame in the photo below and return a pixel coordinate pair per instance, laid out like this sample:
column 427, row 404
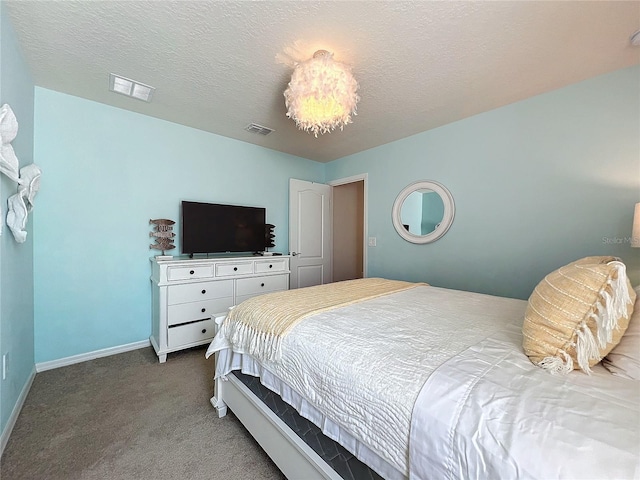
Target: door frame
column 364, row 177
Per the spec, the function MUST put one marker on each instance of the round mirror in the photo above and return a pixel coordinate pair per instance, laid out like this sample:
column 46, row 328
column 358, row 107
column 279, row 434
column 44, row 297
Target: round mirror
column 423, row 212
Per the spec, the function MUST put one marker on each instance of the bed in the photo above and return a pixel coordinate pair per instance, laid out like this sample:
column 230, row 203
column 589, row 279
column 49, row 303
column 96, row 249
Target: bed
column 424, row 382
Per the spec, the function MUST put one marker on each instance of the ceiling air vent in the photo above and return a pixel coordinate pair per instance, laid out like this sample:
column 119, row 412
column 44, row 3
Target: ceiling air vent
column 130, row 88
column 259, row 129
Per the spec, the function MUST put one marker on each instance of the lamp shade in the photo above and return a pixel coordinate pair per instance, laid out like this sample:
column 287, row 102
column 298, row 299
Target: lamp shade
column 635, row 230
column 322, row 94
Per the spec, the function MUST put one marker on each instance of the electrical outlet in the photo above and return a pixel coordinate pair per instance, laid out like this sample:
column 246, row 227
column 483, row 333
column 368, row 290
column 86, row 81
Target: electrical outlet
column 372, row 241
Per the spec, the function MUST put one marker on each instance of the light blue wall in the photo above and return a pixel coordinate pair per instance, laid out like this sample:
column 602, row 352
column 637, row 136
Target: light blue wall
column 432, row 212
column 536, row 184
column 16, row 260
column 107, row 172
column 411, row 213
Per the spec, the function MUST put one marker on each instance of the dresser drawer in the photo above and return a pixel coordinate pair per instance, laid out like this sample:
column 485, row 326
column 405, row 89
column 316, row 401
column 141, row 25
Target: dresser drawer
column 264, row 266
column 194, row 292
column 186, row 272
column 188, row 312
column 231, row 269
column 191, row 333
column 260, row 285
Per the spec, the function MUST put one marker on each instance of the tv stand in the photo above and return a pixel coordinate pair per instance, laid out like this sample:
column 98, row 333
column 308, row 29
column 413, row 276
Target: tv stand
column 189, row 293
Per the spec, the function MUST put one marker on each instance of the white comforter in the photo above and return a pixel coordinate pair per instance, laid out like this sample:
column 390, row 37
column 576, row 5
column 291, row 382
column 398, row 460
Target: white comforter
column 434, row 382
column 371, row 359
column 489, row 413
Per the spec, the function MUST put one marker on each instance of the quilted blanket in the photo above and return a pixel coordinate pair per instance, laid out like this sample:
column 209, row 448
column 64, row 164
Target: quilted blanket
column 258, row 325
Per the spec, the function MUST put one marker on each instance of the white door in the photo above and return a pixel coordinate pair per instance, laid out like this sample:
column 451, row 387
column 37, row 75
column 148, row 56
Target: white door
column 309, row 233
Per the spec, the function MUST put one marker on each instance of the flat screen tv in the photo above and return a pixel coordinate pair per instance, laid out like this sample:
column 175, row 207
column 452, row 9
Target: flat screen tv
column 218, row 228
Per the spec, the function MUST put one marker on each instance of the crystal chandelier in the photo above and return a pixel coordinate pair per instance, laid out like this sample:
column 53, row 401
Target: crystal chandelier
column 322, row 94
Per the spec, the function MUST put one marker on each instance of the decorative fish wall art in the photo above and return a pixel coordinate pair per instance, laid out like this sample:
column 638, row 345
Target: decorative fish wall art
column 163, row 234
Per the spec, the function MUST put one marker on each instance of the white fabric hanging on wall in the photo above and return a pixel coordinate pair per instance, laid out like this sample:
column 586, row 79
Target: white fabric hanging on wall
column 8, row 161
column 27, row 178
column 21, row 203
column 30, row 181
column 17, row 216
column 8, row 130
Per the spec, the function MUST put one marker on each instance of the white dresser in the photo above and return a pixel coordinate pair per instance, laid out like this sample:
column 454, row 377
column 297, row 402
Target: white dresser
column 188, row 293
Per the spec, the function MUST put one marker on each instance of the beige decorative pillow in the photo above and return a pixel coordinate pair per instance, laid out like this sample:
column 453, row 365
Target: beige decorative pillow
column 577, row 314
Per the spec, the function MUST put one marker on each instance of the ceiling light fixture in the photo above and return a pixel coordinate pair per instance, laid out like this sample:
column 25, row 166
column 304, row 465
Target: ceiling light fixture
column 322, row 94
column 130, row 88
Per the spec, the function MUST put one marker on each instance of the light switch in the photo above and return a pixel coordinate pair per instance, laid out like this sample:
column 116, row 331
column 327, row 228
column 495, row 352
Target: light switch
column 372, row 241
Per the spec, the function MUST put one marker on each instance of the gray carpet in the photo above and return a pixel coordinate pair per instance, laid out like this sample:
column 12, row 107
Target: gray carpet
column 129, row 417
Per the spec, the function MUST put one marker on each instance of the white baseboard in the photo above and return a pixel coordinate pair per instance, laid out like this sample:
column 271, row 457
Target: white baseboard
column 8, row 428
column 83, row 357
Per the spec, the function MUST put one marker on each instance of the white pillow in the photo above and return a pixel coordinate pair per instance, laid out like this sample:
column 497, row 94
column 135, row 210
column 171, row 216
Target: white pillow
column 624, row 359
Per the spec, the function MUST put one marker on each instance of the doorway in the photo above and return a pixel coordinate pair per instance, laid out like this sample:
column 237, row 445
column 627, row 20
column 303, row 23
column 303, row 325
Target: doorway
column 349, row 227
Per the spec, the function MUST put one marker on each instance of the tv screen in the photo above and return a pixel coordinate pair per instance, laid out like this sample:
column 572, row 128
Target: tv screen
column 217, row 228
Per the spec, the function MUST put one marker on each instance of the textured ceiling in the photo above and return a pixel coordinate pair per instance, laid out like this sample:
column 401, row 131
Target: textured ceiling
column 220, row 65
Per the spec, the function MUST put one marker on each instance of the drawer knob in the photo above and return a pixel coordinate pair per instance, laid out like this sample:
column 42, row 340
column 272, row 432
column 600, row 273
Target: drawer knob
column 270, row 266
column 204, row 330
column 204, row 291
column 204, row 310
column 262, row 284
column 235, row 269
column 191, row 272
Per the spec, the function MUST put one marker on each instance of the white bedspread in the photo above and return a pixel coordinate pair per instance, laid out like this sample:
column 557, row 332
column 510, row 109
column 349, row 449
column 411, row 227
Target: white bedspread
column 489, row 413
column 398, row 340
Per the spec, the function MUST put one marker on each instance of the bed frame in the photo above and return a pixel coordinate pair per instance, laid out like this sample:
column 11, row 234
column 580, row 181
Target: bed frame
column 287, row 450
